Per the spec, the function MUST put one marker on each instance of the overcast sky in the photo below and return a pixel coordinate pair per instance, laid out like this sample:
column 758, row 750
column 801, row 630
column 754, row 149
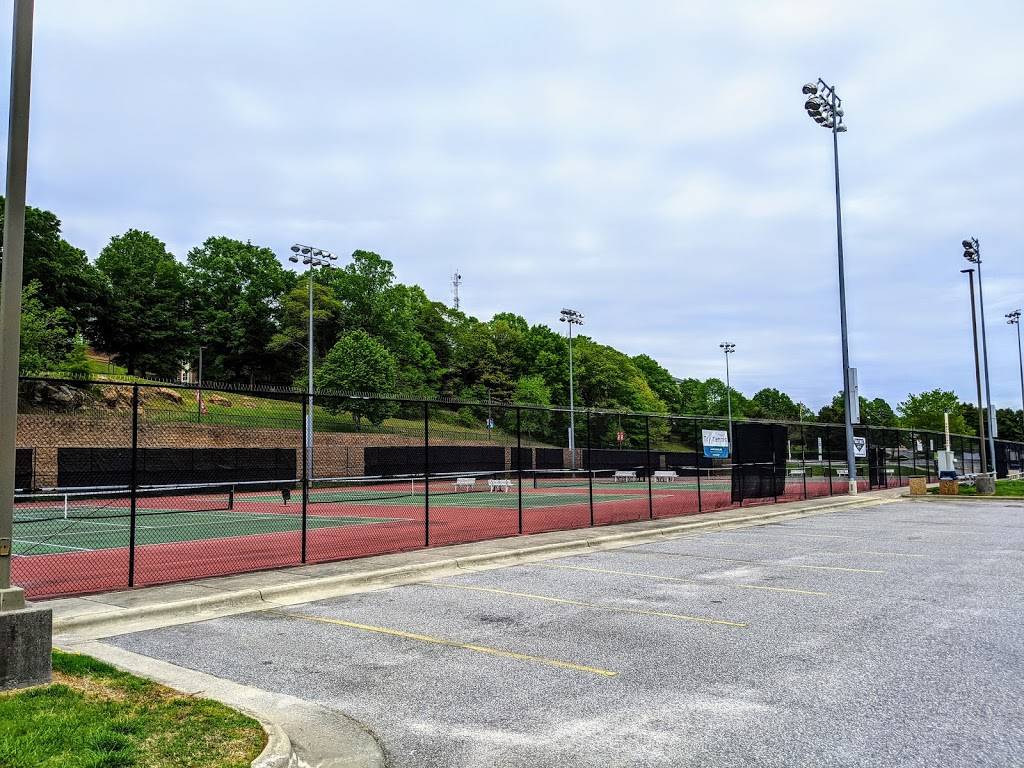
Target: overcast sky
column 647, row 163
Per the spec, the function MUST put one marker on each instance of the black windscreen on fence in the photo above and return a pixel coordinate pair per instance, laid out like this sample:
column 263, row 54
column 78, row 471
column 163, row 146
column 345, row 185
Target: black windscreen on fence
column 92, row 467
column 759, row 461
column 550, row 458
column 24, row 464
column 409, row 459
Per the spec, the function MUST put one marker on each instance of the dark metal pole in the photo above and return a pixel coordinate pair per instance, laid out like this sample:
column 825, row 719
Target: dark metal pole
column 519, row 464
column 977, row 373
column 697, row 442
column 828, row 454
column 650, row 490
column 590, row 472
column 13, row 598
column 991, row 421
column 803, row 458
column 133, row 484
column 426, row 473
column 305, row 476
column 847, row 394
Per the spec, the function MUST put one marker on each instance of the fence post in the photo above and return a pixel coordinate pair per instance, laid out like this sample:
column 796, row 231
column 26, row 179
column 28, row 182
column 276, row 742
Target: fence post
column 803, row 458
column 650, row 491
column 590, row 471
column 697, row 444
column 828, row 453
column 305, row 474
column 519, row 463
column 899, row 459
column 426, row 473
column 132, row 485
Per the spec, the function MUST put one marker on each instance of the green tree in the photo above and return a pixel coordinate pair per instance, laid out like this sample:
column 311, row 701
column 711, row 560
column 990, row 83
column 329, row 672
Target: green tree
column 65, row 277
column 145, row 322
column 293, row 337
column 359, row 363
column 661, row 382
column 1010, row 424
column 925, row 411
column 48, row 338
column 531, row 390
column 235, row 291
column 873, row 413
column 770, row 403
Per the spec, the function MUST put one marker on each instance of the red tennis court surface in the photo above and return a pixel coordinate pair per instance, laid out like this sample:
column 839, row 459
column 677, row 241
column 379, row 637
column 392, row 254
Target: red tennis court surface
column 260, row 532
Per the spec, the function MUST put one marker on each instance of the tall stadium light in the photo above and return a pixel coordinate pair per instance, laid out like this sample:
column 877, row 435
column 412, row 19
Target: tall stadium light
column 571, row 317
column 25, row 631
column 311, row 257
column 728, row 348
column 977, row 373
column 826, row 109
column 972, row 252
column 1013, row 318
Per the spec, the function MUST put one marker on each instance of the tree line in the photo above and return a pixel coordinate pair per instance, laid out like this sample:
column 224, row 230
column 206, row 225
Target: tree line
column 151, row 312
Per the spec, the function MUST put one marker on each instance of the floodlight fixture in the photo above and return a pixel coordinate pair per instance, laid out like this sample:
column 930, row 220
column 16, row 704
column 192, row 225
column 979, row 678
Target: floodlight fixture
column 810, row 89
column 571, row 317
column 972, row 252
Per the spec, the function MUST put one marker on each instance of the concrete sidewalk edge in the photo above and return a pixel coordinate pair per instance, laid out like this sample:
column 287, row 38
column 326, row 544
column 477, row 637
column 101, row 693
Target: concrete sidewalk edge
column 299, row 733
column 94, row 626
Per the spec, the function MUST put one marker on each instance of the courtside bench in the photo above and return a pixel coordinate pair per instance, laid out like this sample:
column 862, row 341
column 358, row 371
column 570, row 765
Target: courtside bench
column 465, row 484
column 665, row 476
column 624, row 476
column 499, row 486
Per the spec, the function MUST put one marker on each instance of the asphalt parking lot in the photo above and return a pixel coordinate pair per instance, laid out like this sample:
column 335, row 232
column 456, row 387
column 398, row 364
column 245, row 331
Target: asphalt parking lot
column 886, row 635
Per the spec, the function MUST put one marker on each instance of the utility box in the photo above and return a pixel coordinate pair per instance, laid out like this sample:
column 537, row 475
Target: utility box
column 946, row 462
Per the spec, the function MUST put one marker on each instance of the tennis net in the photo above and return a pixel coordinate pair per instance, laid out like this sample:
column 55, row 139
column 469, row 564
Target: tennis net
column 96, row 504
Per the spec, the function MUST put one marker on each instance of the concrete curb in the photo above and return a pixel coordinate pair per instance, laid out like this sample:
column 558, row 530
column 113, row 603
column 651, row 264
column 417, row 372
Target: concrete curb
column 958, row 497
column 299, row 734
column 94, row 626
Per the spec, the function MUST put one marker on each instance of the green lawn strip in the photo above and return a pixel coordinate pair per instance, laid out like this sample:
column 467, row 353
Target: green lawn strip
column 95, row 716
column 63, row 536
column 1003, row 488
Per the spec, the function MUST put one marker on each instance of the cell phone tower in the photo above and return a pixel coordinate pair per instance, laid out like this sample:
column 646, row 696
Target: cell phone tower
column 456, row 282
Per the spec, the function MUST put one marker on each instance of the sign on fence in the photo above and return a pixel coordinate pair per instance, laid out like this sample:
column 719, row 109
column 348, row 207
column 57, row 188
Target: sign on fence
column 716, row 443
column 860, row 447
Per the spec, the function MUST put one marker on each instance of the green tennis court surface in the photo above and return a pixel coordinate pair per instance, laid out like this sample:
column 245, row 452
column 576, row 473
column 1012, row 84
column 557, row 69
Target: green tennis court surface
column 44, row 537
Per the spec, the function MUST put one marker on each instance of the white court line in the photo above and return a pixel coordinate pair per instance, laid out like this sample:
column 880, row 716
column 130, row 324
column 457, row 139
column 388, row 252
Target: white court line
column 47, row 544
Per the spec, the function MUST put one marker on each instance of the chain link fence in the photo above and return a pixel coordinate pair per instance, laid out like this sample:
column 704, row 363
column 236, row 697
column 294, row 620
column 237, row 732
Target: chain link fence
column 129, row 484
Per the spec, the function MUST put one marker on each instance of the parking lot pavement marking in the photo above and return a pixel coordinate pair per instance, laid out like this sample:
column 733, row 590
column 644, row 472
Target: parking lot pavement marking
column 760, row 562
column 695, row 582
column 452, row 644
column 873, row 552
column 598, row 606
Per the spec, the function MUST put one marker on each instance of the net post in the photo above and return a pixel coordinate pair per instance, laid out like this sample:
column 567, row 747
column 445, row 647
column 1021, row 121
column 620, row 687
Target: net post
column 590, row 471
column 696, row 460
column 426, row 473
column 650, row 490
column 305, row 477
column 803, row 458
column 519, row 464
column 132, row 485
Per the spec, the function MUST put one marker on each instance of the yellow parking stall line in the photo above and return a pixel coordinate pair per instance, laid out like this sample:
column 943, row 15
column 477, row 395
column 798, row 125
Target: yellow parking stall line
column 598, row 606
column 760, row 562
column 695, row 582
column 453, row 644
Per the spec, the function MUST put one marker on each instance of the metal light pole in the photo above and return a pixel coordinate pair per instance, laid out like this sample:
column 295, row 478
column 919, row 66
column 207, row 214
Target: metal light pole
column 572, row 317
column 826, row 109
column 13, row 598
column 728, row 348
column 977, row 373
column 1013, row 318
column 311, row 257
column 972, row 252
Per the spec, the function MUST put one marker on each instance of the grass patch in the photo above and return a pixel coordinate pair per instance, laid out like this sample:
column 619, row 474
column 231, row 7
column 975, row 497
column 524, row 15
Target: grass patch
column 95, row 716
column 1003, row 488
